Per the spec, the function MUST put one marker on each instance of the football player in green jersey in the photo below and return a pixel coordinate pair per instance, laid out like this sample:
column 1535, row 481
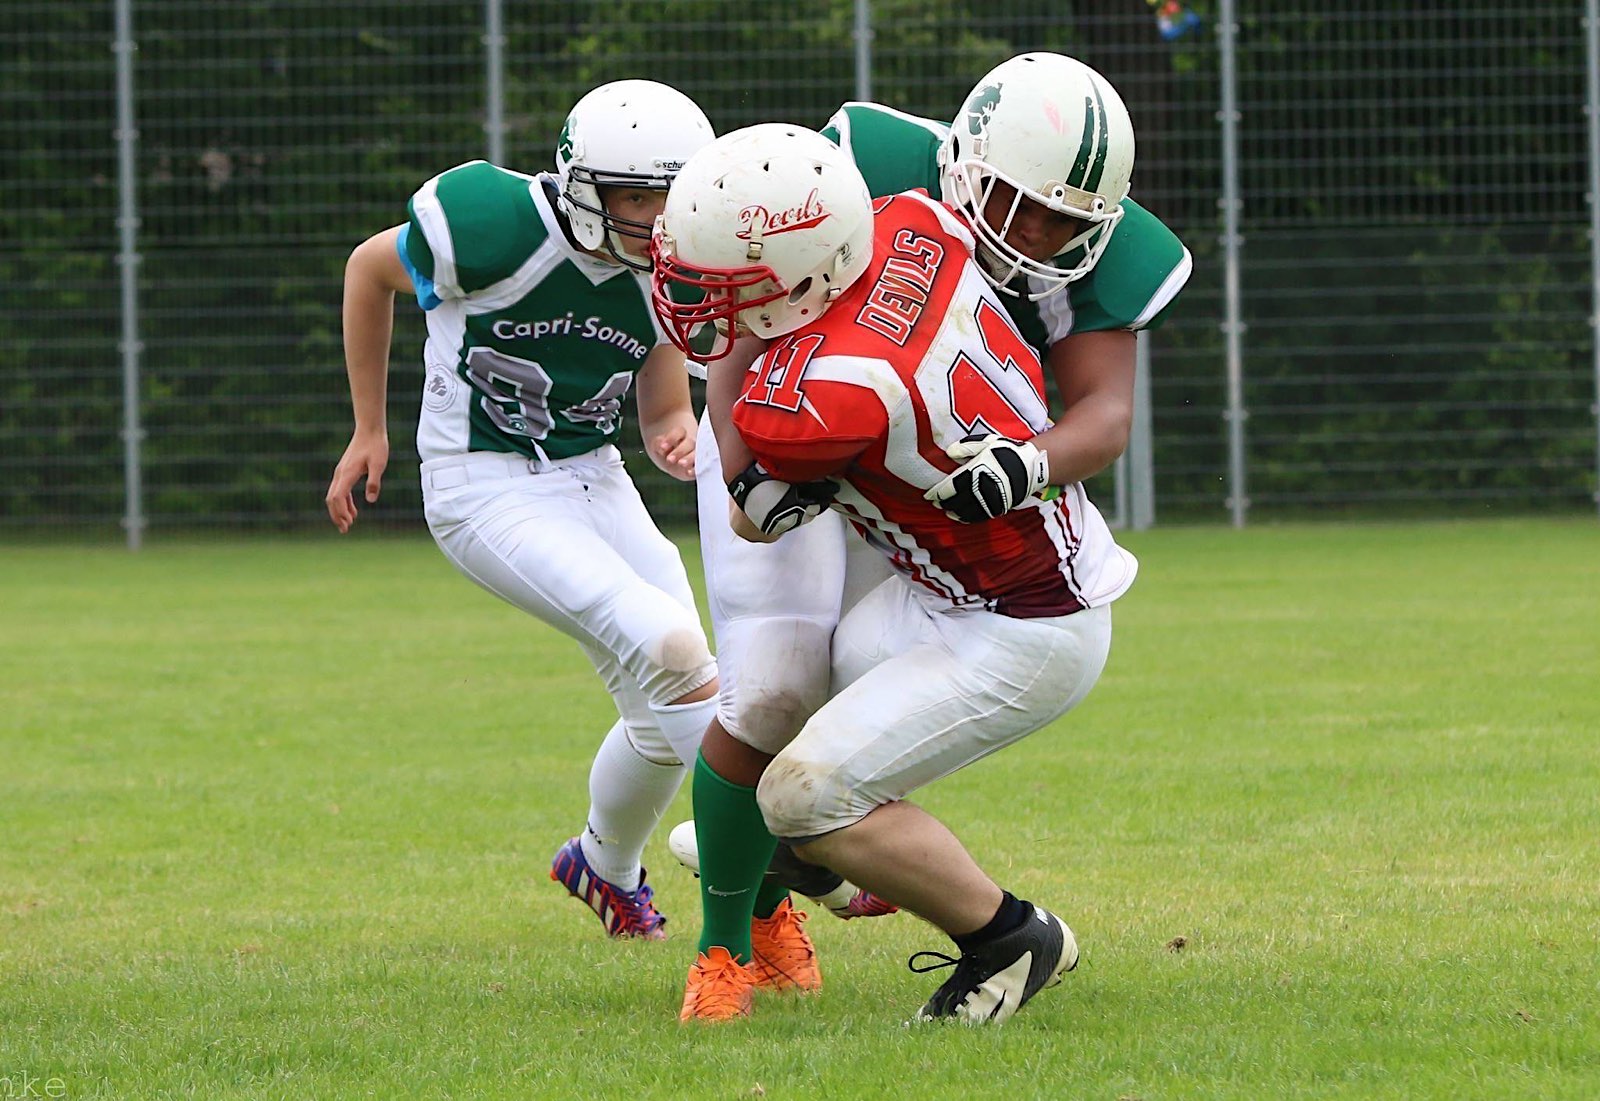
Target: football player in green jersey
column 536, row 291
column 1039, row 160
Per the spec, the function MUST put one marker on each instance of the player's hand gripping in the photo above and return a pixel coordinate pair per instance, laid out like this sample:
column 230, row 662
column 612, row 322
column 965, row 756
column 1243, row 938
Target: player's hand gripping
column 995, row 477
column 776, row 506
column 367, row 456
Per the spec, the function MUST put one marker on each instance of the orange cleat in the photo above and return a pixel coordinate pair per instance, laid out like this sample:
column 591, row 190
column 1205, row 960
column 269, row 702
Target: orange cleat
column 719, row 988
column 783, row 957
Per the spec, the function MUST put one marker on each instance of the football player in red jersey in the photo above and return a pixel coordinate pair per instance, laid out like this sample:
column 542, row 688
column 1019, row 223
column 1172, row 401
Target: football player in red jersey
column 896, row 387
column 1038, row 162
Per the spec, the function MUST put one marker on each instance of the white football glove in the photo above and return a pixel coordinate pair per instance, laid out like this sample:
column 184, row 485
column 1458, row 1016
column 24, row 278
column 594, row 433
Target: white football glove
column 995, row 477
column 776, row 506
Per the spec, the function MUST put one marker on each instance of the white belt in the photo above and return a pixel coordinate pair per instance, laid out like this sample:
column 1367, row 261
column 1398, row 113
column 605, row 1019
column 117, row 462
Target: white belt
column 495, row 466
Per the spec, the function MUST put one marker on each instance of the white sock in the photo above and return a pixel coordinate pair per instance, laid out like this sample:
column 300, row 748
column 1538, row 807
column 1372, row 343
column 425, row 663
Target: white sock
column 683, row 725
column 627, row 797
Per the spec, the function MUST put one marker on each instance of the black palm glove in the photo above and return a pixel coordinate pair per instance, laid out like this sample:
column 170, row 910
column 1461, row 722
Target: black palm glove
column 995, row 477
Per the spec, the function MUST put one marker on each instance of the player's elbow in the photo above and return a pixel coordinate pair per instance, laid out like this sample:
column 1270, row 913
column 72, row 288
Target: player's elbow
column 1114, row 419
column 1115, row 436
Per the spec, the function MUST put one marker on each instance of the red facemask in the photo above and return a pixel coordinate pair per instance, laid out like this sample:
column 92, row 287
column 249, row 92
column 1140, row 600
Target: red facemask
column 718, row 299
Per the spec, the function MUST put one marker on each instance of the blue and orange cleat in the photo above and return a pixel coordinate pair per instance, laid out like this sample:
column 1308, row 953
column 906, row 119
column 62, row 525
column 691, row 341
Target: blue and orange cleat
column 867, row 904
column 624, row 913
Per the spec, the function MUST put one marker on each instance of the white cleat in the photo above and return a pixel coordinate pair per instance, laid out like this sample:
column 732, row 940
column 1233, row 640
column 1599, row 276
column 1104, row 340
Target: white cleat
column 993, row 982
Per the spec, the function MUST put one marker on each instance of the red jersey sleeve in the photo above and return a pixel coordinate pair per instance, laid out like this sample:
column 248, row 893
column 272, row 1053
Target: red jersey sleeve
column 804, row 418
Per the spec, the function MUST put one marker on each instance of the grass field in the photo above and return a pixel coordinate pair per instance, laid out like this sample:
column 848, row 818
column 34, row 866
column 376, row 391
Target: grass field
column 277, row 815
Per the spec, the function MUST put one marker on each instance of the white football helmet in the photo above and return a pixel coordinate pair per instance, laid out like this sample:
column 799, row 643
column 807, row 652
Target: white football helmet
column 1057, row 132
column 763, row 229
column 629, row 133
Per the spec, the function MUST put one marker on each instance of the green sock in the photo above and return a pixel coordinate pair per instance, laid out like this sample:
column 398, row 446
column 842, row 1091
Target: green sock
column 769, row 896
column 735, row 849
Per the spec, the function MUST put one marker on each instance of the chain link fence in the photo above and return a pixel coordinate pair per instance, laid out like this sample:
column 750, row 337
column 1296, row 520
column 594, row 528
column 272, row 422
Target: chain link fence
column 1412, row 256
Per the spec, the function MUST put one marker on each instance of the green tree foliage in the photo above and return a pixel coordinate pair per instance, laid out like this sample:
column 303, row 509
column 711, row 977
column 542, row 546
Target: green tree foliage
column 1414, row 268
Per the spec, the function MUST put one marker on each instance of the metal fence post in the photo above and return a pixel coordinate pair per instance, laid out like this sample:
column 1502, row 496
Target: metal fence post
column 1118, row 516
column 133, row 520
column 863, row 40
column 1591, row 108
column 1232, row 325
column 1141, row 512
column 494, row 66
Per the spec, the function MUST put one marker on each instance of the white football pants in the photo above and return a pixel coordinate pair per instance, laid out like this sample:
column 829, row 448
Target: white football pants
column 922, row 689
column 569, row 542
column 773, row 609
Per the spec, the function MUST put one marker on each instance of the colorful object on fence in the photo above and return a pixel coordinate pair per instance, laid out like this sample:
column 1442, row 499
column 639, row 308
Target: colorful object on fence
column 1174, row 19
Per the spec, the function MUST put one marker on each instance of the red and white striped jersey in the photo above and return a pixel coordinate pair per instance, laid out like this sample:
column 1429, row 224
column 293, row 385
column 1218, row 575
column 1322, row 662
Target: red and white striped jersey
column 916, row 355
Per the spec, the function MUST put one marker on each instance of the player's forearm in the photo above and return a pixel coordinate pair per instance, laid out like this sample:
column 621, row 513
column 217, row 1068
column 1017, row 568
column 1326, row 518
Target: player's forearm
column 661, row 392
column 724, row 381
column 1086, row 439
column 746, row 528
column 1094, row 375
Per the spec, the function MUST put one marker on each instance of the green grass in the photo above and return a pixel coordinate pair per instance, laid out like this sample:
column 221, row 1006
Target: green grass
column 276, row 815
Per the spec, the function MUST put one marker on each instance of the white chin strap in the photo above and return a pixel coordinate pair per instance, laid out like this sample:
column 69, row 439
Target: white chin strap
column 1002, row 263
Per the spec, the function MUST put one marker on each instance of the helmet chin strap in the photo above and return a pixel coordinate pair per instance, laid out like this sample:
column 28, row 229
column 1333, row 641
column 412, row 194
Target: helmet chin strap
column 835, row 279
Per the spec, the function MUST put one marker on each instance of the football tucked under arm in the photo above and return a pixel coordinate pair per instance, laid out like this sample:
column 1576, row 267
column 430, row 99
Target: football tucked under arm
column 995, row 477
column 775, row 506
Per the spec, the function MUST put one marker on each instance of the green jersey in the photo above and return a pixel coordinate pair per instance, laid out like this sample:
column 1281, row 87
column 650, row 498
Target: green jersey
column 532, row 343
column 1138, row 277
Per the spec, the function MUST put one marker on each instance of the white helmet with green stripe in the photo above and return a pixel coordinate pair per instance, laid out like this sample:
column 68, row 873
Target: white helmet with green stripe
column 628, row 133
column 1057, row 132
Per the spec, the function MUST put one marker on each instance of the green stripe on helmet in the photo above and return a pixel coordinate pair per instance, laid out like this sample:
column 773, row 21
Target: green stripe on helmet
column 1090, row 164
column 1080, row 166
column 1098, row 169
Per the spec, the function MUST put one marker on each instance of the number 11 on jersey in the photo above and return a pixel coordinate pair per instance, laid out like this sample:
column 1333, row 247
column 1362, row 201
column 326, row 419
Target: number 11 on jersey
column 1004, row 395
column 781, row 371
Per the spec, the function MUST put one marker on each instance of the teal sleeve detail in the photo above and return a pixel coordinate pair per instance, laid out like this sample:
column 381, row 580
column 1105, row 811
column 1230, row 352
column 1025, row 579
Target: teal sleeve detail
column 427, row 295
